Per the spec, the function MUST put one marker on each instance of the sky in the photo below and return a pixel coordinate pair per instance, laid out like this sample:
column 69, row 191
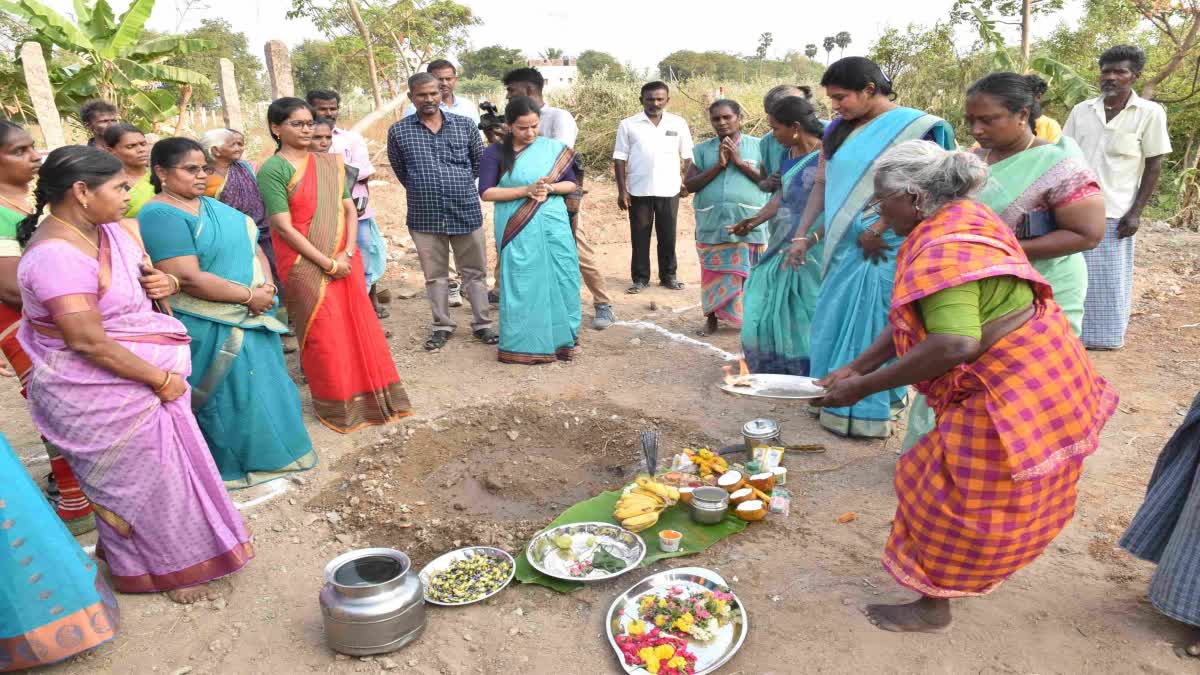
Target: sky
column 637, row 31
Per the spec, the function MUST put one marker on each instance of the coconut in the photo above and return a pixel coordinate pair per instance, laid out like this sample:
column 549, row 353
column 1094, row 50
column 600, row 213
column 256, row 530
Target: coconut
column 751, row 510
column 732, row 481
column 739, row 496
column 764, row 481
column 685, row 494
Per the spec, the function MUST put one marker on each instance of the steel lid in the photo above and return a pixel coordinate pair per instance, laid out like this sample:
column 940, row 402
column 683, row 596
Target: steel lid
column 761, row 428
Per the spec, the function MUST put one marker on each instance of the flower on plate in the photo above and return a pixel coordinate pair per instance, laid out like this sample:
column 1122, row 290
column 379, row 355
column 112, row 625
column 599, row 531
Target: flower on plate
column 636, row 628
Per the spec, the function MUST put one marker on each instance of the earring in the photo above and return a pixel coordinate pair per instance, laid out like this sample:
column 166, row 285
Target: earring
column 796, row 137
column 85, row 206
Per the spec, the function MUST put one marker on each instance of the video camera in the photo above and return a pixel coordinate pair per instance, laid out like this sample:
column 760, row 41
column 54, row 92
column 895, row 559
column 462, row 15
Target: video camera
column 490, row 120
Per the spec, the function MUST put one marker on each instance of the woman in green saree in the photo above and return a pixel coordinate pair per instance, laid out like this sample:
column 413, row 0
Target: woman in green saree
column 527, row 176
column 246, row 405
column 1044, row 191
column 128, row 143
column 779, row 298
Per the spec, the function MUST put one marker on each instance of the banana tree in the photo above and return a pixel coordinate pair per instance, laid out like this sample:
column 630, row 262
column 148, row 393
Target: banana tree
column 101, row 56
column 1067, row 85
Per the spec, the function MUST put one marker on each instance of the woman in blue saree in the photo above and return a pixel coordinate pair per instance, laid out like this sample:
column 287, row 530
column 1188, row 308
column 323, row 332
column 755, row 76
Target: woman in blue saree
column 54, row 603
column 527, row 176
column 779, row 299
column 857, row 265
column 247, row 406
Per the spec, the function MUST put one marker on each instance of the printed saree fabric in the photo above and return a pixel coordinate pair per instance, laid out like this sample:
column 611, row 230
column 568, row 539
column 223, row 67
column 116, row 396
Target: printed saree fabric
column 54, row 603
column 343, row 351
column 539, row 264
column 164, row 518
column 983, row 493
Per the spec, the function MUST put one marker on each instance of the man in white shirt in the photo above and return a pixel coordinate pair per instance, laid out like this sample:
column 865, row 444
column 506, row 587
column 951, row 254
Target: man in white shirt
column 1124, row 138
column 646, row 158
column 560, row 125
column 446, row 75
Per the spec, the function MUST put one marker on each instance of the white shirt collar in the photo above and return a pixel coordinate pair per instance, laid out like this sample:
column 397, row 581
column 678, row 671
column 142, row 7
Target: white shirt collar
column 1133, row 102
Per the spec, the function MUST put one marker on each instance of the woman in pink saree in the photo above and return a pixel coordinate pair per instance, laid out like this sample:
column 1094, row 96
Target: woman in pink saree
column 108, row 385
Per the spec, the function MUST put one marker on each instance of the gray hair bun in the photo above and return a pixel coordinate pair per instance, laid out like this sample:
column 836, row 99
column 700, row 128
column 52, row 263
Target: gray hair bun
column 937, row 176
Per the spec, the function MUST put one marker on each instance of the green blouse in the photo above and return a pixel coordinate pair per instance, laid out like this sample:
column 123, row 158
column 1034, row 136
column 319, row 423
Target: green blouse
column 9, row 219
column 273, row 178
column 966, row 308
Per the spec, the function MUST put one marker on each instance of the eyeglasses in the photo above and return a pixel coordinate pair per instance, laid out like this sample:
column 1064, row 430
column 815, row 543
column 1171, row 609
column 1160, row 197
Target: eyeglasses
column 301, row 124
column 872, row 206
column 197, row 169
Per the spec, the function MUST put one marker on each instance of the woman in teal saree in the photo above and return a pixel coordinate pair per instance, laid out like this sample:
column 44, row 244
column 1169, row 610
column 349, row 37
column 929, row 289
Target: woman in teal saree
column 527, row 176
column 858, row 263
column 247, row 406
column 779, row 299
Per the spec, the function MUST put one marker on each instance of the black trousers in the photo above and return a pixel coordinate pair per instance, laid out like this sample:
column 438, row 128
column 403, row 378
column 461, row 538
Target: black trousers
column 657, row 214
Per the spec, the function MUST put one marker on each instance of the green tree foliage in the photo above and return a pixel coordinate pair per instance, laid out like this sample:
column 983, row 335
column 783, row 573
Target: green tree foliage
column 552, row 53
column 230, row 44
column 686, row 65
column 592, row 63
column 100, row 55
column 493, row 61
column 828, row 43
column 843, row 40
column 764, row 43
column 810, row 50
column 325, row 64
column 404, row 33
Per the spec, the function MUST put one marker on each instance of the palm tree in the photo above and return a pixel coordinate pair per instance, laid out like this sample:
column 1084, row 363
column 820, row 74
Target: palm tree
column 552, row 53
column 810, row 50
column 843, row 40
column 829, row 44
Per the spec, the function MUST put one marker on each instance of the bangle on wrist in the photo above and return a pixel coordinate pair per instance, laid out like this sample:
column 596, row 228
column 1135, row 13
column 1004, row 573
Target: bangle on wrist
column 175, row 280
column 249, row 296
column 166, row 381
column 333, row 267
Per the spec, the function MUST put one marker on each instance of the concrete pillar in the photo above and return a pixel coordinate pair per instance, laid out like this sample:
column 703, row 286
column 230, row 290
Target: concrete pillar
column 37, row 78
column 279, row 65
column 230, row 102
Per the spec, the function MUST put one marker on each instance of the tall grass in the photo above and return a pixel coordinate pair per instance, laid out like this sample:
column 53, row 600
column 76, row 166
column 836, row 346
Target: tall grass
column 600, row 105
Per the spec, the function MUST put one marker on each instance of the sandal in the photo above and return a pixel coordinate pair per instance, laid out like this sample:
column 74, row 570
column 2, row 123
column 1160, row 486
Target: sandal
column 382, row 312
column 636, row 288
column 437, row 340
column 488, row 336
column 672, row 284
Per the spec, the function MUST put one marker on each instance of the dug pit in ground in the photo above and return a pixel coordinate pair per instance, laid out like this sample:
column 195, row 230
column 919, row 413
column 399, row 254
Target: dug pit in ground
column 489, row 476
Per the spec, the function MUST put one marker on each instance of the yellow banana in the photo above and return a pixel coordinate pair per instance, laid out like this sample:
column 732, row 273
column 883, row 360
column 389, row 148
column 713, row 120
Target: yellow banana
column 672, row 493
column 652, row 486
column 640, row 522
column 647, row 493
column 625, row 512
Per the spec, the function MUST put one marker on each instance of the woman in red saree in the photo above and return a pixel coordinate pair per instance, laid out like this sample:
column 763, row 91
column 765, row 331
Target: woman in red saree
column 1018, row 404
column 343, row 350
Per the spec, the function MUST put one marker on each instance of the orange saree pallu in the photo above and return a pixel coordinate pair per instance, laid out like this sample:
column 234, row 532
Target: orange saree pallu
column 987, row 490
column 344, row 353
column 73, row 506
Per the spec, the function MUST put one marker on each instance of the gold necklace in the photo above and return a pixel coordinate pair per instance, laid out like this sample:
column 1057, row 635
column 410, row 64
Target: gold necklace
column 1032, row 140
column 23, row 208
column 79, row 232
column 188, row 206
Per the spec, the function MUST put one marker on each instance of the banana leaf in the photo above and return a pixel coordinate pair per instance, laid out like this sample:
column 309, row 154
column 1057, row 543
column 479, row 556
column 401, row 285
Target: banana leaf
column 696, row 537
column 102, row 21
column 129, row 28
column 169, row 46
column 153, row 72
column 56, row 27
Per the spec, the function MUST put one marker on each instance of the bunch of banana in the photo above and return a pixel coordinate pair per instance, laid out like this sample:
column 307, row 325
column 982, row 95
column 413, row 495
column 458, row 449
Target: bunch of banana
column 707, row 461
column 639, row 507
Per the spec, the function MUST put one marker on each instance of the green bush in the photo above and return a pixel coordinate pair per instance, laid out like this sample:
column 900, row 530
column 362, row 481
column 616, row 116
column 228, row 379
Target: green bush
column 599, row 105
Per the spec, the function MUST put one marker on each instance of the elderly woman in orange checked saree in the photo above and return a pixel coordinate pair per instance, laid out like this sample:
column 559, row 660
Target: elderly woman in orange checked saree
column 108, row 384
column 1019, row 406
column 343, row 350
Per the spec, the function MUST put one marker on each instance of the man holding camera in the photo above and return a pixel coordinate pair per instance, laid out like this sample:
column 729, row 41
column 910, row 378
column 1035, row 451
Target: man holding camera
column 558, row 124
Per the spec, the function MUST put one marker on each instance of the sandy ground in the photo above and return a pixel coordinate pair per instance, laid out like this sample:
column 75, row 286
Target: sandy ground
column 453, row 474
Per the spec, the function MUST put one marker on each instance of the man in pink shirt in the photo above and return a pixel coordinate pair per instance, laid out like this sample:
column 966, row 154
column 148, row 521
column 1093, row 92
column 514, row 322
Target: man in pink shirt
column 354, row 148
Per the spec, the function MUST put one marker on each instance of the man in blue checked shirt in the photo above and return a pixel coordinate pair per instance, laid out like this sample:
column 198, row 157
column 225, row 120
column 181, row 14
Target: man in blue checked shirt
column 435, row 154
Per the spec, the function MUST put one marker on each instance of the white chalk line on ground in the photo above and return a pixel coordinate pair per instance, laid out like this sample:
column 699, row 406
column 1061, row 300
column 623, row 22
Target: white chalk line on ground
column 678, row 337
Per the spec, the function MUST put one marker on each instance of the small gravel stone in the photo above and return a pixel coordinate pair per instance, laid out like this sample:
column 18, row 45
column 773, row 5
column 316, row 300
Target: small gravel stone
column 467, row 637
column 388, row 664
column 344, row 538
column 513, row 435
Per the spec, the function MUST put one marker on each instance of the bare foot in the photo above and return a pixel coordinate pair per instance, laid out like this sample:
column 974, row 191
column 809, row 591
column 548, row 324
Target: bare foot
column 927, row 615
column 710, row 326
column 1193, row 649
column 189, row 595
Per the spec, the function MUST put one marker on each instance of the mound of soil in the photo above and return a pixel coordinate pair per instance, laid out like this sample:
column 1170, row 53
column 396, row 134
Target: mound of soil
column 489, row 476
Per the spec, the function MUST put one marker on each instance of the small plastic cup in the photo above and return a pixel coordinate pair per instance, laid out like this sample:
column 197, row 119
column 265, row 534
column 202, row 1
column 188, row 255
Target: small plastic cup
column 780, row 475
column 669, row 540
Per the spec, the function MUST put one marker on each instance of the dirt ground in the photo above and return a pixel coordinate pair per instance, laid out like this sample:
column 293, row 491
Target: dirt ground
column 496, row 450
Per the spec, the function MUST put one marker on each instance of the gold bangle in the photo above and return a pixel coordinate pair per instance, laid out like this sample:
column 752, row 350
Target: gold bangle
column 332, row 268
column 178, row 286
column 166, row 381
column 249, row 296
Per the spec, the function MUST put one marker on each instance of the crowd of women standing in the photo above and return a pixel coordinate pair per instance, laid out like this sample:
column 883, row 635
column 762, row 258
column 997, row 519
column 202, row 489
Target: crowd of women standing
column 150, row 353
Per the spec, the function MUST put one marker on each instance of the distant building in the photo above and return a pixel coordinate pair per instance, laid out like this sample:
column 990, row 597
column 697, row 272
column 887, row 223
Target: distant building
column 559, row 73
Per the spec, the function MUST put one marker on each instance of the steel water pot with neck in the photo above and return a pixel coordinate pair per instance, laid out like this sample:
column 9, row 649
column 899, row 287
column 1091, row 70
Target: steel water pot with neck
column 372, row 602
column 760, row 433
